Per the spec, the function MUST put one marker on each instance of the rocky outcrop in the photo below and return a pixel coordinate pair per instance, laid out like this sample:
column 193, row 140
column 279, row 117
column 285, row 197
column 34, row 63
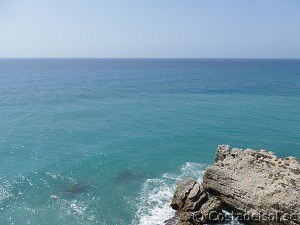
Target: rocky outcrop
column 210, row 211
column 181, row 193
column 222, row 152
column 192, row 204
column 256, row 184
column 196, row 198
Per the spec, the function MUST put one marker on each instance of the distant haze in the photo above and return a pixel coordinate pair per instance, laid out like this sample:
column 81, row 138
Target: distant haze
column 150, row 29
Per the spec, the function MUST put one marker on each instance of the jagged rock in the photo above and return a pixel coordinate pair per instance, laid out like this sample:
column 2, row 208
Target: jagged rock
column 222, row 152
column 181, row 193
column 211, row 210
column 188, row 198
column 255, row 182
column 195, row 192
column 185, row 218
column 208, row 213
column 249, row 182
column 196, row 203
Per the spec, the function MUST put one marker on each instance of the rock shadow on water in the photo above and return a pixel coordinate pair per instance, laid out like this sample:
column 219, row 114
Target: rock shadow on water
column 129, row 176
column 77, row 189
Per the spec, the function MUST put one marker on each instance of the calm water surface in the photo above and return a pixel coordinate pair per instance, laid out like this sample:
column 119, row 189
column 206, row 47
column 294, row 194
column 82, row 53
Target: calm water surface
column 107, row 140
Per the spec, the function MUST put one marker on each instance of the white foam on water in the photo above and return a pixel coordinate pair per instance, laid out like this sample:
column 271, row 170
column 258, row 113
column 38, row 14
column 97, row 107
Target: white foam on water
column 4, row 194
column 66, row 209
column 153, row 203
column 70, row 210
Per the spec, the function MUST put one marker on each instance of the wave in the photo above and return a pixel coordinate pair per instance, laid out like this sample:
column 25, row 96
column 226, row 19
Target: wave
column 153, row 202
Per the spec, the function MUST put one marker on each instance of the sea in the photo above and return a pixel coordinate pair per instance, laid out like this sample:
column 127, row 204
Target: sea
column 105, row 141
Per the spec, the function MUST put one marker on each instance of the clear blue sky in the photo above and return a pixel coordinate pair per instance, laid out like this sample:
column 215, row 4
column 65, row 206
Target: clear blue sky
column 150, row 28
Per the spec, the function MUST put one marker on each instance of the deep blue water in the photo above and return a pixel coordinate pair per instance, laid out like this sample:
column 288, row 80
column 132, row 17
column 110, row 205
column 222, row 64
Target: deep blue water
column 107, row 139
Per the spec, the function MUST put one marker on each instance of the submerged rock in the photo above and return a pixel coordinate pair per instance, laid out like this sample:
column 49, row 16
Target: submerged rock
column 129, row 175
column 77, row 189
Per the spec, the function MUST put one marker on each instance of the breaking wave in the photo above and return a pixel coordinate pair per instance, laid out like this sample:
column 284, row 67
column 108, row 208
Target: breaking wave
column 153, row 202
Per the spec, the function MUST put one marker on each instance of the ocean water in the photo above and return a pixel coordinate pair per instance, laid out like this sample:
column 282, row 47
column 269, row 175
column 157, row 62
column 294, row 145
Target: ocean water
column 104, row 141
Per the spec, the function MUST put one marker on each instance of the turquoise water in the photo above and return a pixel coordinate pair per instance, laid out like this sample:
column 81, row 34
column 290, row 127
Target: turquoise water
column 107, row 140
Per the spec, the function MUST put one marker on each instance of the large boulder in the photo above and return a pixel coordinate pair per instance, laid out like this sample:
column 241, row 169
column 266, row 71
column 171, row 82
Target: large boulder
column 188, row 198
column 196, row 198
column 181, row 193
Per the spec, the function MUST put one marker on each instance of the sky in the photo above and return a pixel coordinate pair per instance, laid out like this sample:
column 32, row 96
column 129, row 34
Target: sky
column 149, row 29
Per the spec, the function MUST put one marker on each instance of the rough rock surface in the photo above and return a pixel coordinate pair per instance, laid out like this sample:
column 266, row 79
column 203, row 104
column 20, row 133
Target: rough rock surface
column 188, row 199
column 255, row 182
column 181, row 193
column 210, row 210
column 196, row 198
column 222, row 152
column 249, row 182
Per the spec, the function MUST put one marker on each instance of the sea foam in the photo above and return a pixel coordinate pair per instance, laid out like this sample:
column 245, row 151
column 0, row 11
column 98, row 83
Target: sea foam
column 153, row 202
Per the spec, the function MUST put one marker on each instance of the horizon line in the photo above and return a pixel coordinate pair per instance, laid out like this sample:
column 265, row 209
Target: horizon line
column 262, row 58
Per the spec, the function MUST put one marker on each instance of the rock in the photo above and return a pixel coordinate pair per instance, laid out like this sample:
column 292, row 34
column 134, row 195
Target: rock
column 249, row 182
column 195, row 203
column 208, row 213
column 185, row 218
column 188, row 199
column 174, row 220
column 181, row 193
column 222, row 152
column 211, row 210
column 189, row 196
column 256, row 182
column 195, row 192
